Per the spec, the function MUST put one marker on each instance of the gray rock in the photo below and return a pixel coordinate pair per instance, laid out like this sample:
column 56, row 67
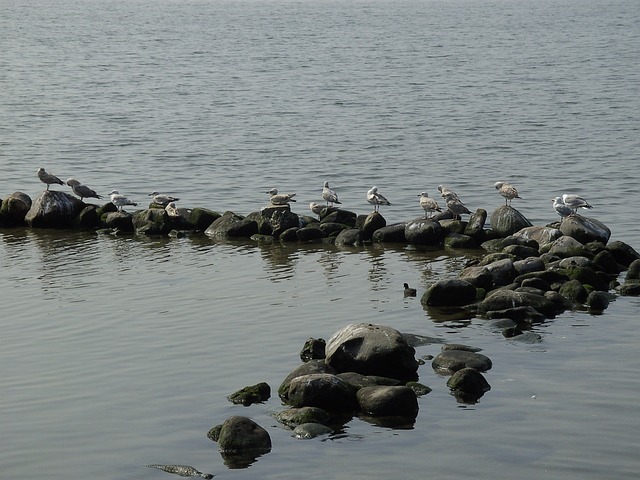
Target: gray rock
column 182, row 470
column 349, row 237
column 241, row 434
column 309, row 234
column 232, row 225
column 14, row 208
column 528, row 265
column 87, row 219
column 574, row 291
column 525, row 314
column 388, row 401
column 246, row 396
column 606, row 262
column 313, row 349
column 631, row 288
column 538, row 283
column 521, row 251
column 372, row 222
column 450, row 361
column 201, row 218
column 344, row 217
column 542, row 235
column 477, row 276
column 358, row 381
column 289, row 235
column 502, row 271
column 468, row 385
column 372, row 350
column 506, row 220
column 597, row 301
column 53, row 209
column 588, row 276
column 423, row 231
column 585, row 229
column 279, row 218
column 457, row 240
column 120, row 221
column 623, row 253
column 307, row 431
column 578, row 261
column 449, row 293
column 331, row 229
column 561, row 302
column 390, row 234
column 475, row 225
column 504, row 299
column 567, row 247
column 153, row 221
column 322, row 390
column 293, row 417
column 634, row 271
column 310, row 367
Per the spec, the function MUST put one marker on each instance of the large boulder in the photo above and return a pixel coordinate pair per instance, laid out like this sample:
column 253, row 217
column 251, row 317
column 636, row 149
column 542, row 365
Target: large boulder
column 344, row 217
column 542, row 235
column 504, row 299
column 152, row 221
column 390, row 234
column 566, row 246
column 502, row 271
column 385, row 401
column 349, row 237
column 232, row 225
column 308, row 368
column 53, row 209
column 279, row 218
column 506, row 220
column 323, row 390
column 450, row 361
column 449, row 293
column 623, row 253
column 424, row 231
column 240, row 440
column 585, row 229
column 119, row 221
column 475, row 225
column 14, row 208
column 201, row 218
column 372, row 350
column 371, row 223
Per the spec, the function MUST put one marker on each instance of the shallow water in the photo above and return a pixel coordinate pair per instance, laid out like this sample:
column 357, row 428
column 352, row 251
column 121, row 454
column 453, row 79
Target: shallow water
column 119, row 352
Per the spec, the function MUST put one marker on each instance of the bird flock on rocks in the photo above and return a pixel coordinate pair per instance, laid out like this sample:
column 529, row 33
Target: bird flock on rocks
column 565, row 205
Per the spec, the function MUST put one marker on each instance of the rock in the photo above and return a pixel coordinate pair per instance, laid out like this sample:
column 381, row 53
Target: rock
column 201, row 218
column 623, row 253
column 349, row 237
column 588, row 276
column 243, row 435
column 630, row 289
column 574, row 291
column 477, row 276
column 505, row 299
column 344, row 217
column 371, row 223
column 331, row 229
column 390, row 234
column 450, row 361
column 585, row 229
column 232, row 225
column 323, row 390
column 53, row 209
column 542, row 235
column 538, row 283
column 310, row 367
column 475, row 226
column 449, row 293
column 634, row 271
column 14, row 208
column 309, row 234
column 87, row 219
column 289, row 235
column 388, row 401
column 502, row 271
column 525, row 314
column 307, row 431
column 279, row 218
column 597, row 301
column 567, row 247
column 468, row 385
column 418, row 388
column 246, row 396
column 521, row 251
column 120, row 221
column 528, row 265
column 153, row 221
column 358, row 381
column 606, row 262
column 293, row 417
column 561, row 302
column 313, row 349
column 424, row 231
column 506, row 220
column 372, row 350
column 457, row 240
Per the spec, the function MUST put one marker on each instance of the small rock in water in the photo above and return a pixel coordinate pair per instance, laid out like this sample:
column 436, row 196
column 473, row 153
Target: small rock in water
column 182, row 470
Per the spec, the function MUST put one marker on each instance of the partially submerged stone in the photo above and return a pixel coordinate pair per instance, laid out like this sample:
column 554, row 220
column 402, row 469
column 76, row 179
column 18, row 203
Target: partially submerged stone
column 53, row 209
column 246, row 396
column 241, row 434
column 295, row 416
column 468, row 385
column 322, row 390
column 232, row 225
column 450, row 361
column 449, row 293
column 14, row 208
column 307, row 431
column 388, row 401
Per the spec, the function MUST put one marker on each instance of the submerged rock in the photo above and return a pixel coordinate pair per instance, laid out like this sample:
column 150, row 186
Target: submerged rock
column 153, row 221
column 307, row 431
column 295, row 416
column 14, row 208
column 246, row 396
column 468, row 385
column 232, row 225
column 310, row 367
column 388, row 401
column 241, row 434
column 322, row 390
column 449, row 293
column 424, row 231
column 450, row 361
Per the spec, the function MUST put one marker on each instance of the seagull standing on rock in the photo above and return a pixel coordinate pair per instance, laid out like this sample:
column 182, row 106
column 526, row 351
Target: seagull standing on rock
column 280, row 198
column 376, row 199
column 120, row 200
column 428, row 204
column 574, row 202
column 507, row 190
column 561, row 209
column 329, row 195
column 82, row 190
column 48, row 178
column 161, row 199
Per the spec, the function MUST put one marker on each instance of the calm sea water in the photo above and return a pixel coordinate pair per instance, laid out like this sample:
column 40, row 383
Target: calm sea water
column 118, row 352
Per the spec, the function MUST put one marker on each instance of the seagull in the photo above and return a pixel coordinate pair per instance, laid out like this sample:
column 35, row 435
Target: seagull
column 409, row 292
column 560, row 208
column 329, row 195
column 574, row 202
column 376, row 199
column 48, row 178
column 456, row 207
column 507, row 190
column 316, row 208
column 172, row 210
column 280, row 199
column 81, row 190
column 447, row 192
column 120, row 200
column 161, row 199
column 428, row 204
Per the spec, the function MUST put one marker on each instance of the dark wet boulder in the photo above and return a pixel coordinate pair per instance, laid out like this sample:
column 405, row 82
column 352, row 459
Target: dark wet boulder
column 309, row 234
column 358, row 381
column 388, row 401
column 631, row 288
column 258, row 393
column 201, row 218
column 295, row 416
column 418, row 388
column 561, row 302
column 53, row 209
column 307, row 431
column 371, row 223
column 606, row 262
column 331, row 229
column 585, row 229
column 567, row 247
column 313, row 349
column 232, row 225
column 521, row 251
column 277, row 219
column 623, row 253
column 506, row 220
column 120, row 221
column 390, row 234
column 310, row 367
column 323, row 390
column 554, row 278
column 541, row 235
column 524, row 314
column 372, row 350
column 449, row 293
column 349, row 237
column 450, row 361
column 505, row 299
column 344, row 217
column 468, row 385
column 458, row 240
column 153, row 221
column 423, row 231
column 87, row 219
column 502, row 271
column 477, row 276
column 289, row 235
column 597, row 301
column 633, row 273
column 14, row 208
column 242, row 435
column 574, row 291
column 475, row 225
column 534, row 282
column 528, row 265
column 589, row 276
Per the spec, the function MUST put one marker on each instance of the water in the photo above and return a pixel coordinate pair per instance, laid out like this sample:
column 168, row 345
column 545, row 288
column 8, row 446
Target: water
column 119, row 352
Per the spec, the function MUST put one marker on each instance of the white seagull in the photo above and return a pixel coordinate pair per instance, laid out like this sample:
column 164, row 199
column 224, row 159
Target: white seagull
column 48, row 178
column 447, row 192
column 560, row 208
column 120, row 200
column 316, row 208
column 456, row 207
column 329, row 195
column 574, row 202
column 82, row 190
column 507, row 190
column 376, row 199
column 428, row 204
column 161, row 199
column 280, row 199
column 172, row 210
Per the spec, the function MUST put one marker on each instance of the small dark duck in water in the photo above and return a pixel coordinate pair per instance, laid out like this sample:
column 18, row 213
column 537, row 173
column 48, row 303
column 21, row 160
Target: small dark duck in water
column 182, row 470
column 409, row 292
